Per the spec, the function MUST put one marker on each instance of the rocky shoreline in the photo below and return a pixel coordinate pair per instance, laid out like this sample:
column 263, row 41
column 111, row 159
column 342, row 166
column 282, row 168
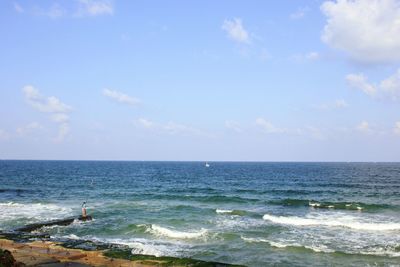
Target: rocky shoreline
column 26, row 246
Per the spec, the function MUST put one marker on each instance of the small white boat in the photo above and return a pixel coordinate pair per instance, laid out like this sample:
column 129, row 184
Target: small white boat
column 207, row 165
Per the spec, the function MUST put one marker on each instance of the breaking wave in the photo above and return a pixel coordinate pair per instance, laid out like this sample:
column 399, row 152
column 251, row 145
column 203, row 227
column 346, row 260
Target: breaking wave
column 231, row 212
column 330, row 222
column 11, row 211
column 162, row 231
column 331, row 205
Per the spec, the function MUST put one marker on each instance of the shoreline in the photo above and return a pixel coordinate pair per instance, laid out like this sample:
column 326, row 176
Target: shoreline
column 46, row 252
column 38, row 249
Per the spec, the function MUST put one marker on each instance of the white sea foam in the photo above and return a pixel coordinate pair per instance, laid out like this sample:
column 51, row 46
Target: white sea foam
column 236, row 223
column 221, row 211
column 282, row 244
column 253, row 240
column 32, row 211
column 72, row 236
column 331, row 222
column 148, row 247
column 162, row 231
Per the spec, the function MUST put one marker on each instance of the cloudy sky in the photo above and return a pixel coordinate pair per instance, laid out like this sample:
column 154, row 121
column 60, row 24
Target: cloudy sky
column 200, row 80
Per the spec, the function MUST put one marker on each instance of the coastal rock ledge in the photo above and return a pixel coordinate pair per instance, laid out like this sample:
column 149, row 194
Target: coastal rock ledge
column 29, row 246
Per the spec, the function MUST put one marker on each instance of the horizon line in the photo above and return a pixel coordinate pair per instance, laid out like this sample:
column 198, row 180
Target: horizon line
column 215, row 161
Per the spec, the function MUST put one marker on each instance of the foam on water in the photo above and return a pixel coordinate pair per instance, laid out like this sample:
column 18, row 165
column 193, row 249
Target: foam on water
column 162, row 231
column 148, row 247
column 221, row 211
column 164, row 208
column 231, row 212
column 329, row 221
column 31, row 211
column 236, row 223
column 318, row 246
column 280, row 244
column 70, row 236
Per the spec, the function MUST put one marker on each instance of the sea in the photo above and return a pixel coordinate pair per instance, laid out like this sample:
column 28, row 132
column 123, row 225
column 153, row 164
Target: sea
column 250, row 213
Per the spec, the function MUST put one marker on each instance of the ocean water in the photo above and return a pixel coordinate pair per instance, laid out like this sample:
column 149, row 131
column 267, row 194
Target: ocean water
column 256, row 214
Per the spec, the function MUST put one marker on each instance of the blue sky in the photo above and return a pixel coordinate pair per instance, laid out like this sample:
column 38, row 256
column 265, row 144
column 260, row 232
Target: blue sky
column 200, row 80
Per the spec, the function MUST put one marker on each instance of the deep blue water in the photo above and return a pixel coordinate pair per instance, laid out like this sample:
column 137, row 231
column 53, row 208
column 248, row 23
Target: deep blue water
column 257, row 214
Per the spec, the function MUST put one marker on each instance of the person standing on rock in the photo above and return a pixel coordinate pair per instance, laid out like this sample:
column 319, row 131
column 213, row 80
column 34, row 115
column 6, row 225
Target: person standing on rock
column 84, row 210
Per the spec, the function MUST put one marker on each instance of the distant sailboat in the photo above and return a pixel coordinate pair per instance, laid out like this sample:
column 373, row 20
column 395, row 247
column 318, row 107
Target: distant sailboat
column 207, row 165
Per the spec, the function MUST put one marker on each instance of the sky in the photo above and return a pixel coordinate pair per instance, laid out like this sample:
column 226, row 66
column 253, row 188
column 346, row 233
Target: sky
column 200, row 80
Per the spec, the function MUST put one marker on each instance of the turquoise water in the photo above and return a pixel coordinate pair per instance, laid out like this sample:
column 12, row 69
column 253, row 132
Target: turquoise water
column 257, row 214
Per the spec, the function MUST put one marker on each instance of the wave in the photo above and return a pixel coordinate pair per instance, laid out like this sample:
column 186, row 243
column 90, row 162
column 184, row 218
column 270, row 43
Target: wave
column 32, row 211
column 299, row 221
column 162, row 231
column 285, row 245
column 331, row 205
column 70, row 236
column 221, row 211
column 146, row 249
column 145, row 246
column 387, row 251
column 231, row 212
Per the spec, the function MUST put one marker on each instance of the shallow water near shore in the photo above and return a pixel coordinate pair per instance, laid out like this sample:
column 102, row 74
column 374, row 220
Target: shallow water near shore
column 256, row 214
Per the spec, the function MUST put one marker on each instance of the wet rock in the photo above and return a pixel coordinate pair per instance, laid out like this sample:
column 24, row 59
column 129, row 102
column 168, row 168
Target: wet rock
column 7, row 259
column 63, row 222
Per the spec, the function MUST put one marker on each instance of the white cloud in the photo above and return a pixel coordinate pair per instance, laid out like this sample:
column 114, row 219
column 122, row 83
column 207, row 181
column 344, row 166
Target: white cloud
column 359, row 81
column 388, row 88
column 81, row 8
column 63, row 130
column 233, row 125
column 28, row 128
column 314, row 132
column 268, row 127
column 121, row 97
column 52, row 105
column 340, row 103
column 236, row 31
column 145, row 123
column 56, row 11
column 18, row 8
column 299, row 13
column 95, row 8
column 310, row 56
column 60, row 117
column 396, row 129
column 171, row 128
column 364, row 127
column 176, row 128
column 367, row 30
